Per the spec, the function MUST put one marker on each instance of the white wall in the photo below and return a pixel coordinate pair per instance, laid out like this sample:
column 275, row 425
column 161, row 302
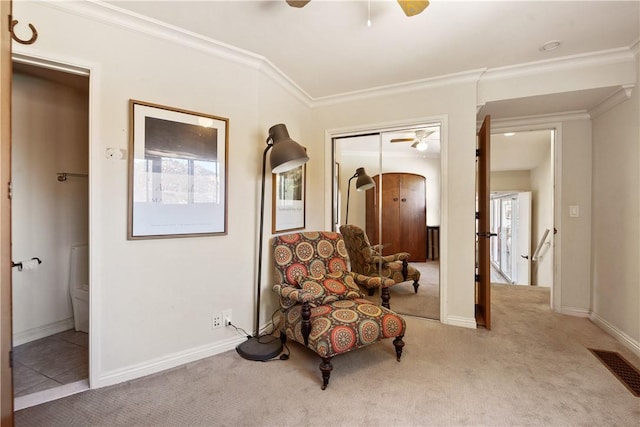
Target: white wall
column 511, row 180
column 457, row 103
column 616, row 220
column 542, row 197
column 50, row 132
column 289, row 110
column 156, row 298
column 575, row 233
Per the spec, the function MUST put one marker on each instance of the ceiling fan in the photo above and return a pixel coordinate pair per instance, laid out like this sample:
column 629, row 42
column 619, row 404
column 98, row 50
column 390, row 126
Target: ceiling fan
column 410, row 7
column 419, row 141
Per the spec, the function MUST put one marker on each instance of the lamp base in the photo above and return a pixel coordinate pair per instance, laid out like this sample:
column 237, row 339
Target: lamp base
column 260, row 348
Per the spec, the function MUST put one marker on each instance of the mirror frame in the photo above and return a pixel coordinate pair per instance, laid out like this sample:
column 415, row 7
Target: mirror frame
column 331, row 220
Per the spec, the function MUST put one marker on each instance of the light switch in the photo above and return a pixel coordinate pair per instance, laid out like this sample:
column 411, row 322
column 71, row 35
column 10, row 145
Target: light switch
column 574, row 211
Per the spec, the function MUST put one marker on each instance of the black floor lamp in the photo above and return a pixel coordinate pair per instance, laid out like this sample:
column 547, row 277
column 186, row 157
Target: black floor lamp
column 363, row 183
column 286, row 155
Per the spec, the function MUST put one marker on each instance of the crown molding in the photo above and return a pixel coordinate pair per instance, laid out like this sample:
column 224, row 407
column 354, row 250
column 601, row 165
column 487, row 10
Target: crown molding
column 471, row 76
column 604, row 57
column 541, row 119
column 618, row 97
column 277, row 76
column 112, row 15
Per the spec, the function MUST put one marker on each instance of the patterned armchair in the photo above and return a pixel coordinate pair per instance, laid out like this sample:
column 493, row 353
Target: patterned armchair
column 321, row 303
column 366, row 259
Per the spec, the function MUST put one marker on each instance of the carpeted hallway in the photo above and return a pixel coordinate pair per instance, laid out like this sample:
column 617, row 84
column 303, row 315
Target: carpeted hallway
column 532, row 368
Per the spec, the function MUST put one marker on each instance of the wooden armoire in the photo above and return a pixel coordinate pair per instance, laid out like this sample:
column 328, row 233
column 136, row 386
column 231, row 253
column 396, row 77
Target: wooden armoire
column 404, row 214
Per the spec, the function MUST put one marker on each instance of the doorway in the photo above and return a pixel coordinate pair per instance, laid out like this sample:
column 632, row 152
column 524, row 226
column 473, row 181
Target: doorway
column 523, row 174
column 510, row 219
column 408, row 150
column 50, row 232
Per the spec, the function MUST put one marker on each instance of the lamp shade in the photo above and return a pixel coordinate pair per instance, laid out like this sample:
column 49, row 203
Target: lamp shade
column 364, row 181
column 286, row 153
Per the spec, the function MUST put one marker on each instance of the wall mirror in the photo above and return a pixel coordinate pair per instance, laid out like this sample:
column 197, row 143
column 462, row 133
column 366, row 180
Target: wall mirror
column 402, row 211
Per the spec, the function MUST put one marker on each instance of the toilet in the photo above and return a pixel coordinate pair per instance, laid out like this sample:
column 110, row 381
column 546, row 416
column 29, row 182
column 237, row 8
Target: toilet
column 79, row 286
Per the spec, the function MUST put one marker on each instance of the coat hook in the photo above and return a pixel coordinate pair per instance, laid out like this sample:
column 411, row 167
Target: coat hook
column 34, row 32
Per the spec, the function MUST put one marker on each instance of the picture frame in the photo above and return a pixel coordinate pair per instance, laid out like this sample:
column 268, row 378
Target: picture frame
column 289, row 200
column 177, row 184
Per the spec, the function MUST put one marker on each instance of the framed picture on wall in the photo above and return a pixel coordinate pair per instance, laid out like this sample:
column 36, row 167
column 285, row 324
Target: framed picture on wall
column 177, row 172
column 289, row 193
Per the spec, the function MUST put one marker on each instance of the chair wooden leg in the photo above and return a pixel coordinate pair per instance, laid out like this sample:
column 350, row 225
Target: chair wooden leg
column 384, row 293
column 399, row 344
column 326, row 367
column 415, row 286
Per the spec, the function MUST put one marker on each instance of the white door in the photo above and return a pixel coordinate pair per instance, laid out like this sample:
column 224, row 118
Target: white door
column 522, row 239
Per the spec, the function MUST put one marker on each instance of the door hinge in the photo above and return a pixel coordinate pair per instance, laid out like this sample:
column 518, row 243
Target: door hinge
column 9, row 190
column 477, row 215
column 477, row 277
column 477, row 152
column 11, row 359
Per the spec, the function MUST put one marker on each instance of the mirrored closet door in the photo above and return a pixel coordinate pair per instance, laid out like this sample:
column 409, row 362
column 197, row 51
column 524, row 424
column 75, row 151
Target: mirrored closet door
column 401, row 211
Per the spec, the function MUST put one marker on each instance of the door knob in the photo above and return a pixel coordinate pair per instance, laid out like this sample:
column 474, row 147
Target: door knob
column 404, row 200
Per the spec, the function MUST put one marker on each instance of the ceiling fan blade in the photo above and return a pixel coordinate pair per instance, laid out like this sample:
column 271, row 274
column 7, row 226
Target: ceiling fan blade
column 412, row 7
column 402, row 140
column 297, row 3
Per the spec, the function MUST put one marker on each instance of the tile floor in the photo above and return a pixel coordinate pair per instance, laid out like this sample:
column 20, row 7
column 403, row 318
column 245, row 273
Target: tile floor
column 50, row 362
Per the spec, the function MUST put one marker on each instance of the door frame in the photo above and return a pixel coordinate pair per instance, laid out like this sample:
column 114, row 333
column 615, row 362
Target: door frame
column 91, row 70
column 329, row 136
column 6, row 317
column 553, row 124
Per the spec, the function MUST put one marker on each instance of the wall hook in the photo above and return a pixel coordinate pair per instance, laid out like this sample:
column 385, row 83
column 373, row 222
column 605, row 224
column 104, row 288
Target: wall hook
column 34, row 32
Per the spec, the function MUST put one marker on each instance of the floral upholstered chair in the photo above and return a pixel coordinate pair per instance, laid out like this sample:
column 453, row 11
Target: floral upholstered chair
column 366, row 259
column 321, row 302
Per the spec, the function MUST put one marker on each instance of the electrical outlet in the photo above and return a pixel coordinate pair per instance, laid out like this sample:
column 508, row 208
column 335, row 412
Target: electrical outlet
column 226, row 317
column 217, row 321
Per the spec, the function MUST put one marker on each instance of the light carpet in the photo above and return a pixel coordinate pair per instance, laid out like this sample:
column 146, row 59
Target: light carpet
column 424, row 303
column 532, row 368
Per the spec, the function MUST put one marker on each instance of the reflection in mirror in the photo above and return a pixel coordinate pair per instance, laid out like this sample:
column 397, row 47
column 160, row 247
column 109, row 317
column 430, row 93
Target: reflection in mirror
column 401, row 213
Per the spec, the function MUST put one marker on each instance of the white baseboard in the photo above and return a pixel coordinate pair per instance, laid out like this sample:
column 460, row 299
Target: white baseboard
column 167, row 362
column 42, row 331
column 464, row 322
column 625, row 339
column 55, row 393
column 576, row 312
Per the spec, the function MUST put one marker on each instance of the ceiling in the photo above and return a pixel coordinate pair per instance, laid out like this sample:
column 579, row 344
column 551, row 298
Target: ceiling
column 374, row 143
column 327, row 49
column 521, row 151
